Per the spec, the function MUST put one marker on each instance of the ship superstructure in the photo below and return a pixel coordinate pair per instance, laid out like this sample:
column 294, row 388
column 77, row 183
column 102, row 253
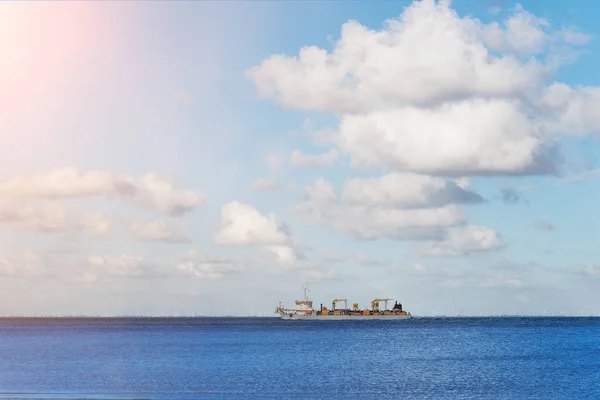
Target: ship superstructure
column 304, row 310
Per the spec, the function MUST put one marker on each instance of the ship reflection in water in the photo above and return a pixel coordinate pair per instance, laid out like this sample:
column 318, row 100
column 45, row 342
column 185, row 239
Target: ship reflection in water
column 304, row 310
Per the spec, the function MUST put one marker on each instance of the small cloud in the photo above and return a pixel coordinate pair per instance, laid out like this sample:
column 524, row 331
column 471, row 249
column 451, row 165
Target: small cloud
column 528, row 188
column 366, row 260
column 25, row 265
column 107, row 268
column 158, row 231
column 325, row 137
column 433, row 272
column 150, row 190
column 419, row 268
column 244, row 225
column 274, row 162
column 53, row 217
column 64, row 249
column 502, row 282
column 47, row 217
column 265, row 185
column 495, row 9
column 590, row 174
column 201, row 266
column 333, row 257
column 308, row 124
column 544, row 226
column 573, row 36
column 408, row 190
column 590, row 270
column 104, row 268
column 507, row 266
column 464, row 241
column 292, row 188
column 315, row 274
column 463, row 182
column 300, row 159
column 512, row 196
column 95, row 224
column 522, row 298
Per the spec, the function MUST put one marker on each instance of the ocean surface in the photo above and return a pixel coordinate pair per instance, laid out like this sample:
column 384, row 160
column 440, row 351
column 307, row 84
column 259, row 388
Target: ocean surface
column 267, row 358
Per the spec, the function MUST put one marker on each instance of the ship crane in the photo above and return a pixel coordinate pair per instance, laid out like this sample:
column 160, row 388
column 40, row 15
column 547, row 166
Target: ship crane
column 337, row 301
column 375, row 304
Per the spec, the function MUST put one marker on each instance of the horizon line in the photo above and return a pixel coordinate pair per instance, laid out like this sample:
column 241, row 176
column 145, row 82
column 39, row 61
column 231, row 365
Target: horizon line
column 174, row 316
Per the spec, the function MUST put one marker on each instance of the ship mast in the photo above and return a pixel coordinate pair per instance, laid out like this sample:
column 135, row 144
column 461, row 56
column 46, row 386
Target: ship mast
column 306, row 290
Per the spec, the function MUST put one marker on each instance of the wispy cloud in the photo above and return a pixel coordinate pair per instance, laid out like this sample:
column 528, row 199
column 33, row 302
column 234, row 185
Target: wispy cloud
column 544, row 226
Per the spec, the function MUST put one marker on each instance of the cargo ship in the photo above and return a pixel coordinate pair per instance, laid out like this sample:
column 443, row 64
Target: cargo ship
column 304, row 311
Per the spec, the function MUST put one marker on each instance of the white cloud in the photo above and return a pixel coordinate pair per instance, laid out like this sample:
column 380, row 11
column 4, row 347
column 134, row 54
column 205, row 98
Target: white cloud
column 468, row 281
column 123, row 266
column 463, row 241
column 314, row 274
column 400, row 206
column 502, row 282
column 428, row 55
column 378, row 222
column 467, row 137
column 53, row 217
column 285, row 256
column 202, row 266
column 108, row 268
column 575, row 111
column 574, row 36
column 63, row 249
column 158, row 231
column 321, row 160
column 243, row 225
column 523, row 33
column 465, row 278
column 292, row 187
column 325, row 137
column 275, row 163
column 46, row 217
column 439, row 272
column 265, row 185
column 463, row 182
column 374, row 222
column 376, row 214
column 366, row 260
column 436, row 93
column 406, row 190
column 589, row 174
column 589, row 270
column 321, row 192
column 149, row 190
column 419, row 268
column 96, row 224
column 25, row 264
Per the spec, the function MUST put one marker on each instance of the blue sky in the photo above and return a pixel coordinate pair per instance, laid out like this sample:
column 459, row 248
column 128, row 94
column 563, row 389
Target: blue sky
column 207, row 97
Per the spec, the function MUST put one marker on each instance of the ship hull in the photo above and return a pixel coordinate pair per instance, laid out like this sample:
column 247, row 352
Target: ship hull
column 344, row 317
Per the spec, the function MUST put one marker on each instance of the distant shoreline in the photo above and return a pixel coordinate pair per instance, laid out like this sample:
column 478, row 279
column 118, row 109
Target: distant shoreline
column 175, row 317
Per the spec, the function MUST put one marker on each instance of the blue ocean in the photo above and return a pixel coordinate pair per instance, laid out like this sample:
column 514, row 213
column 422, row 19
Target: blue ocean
column 267, row 358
